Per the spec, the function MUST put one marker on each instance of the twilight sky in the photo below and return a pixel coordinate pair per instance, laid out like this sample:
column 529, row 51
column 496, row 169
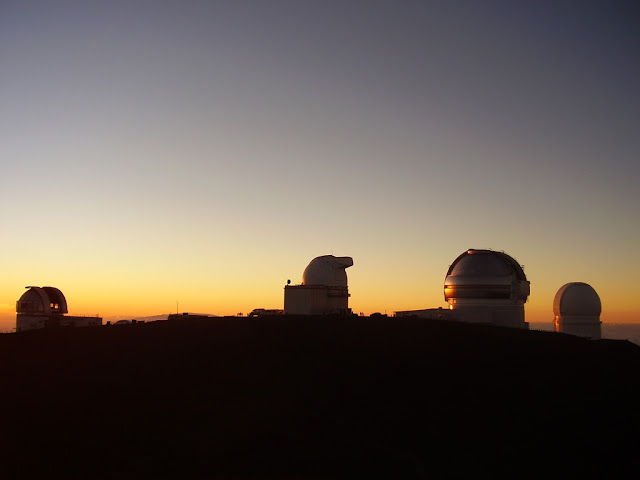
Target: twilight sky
column 205, row 152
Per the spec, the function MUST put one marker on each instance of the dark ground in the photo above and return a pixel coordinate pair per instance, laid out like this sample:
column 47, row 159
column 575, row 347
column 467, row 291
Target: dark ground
column 286, row 397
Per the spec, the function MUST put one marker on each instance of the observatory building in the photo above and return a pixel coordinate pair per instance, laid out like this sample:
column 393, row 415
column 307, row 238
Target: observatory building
column 576, row 310
column 45, row 307
column 324, row 289
column 482, row 286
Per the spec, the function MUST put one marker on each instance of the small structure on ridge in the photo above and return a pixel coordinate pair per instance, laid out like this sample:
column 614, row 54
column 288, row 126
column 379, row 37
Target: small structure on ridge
column 576, row 310
column 323, row 290
column 45, row 307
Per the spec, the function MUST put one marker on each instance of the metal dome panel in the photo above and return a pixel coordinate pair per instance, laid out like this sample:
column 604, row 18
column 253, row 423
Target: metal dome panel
column 485, row 274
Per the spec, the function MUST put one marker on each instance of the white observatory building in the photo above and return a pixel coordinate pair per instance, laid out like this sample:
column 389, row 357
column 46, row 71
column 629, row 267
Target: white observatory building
column 323, row 290
column 482, row 286
column 45, row 307
column 485, row 286
column 576, row 310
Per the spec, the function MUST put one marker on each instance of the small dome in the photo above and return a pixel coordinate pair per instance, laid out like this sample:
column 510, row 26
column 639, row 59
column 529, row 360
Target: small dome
column 327, row 270
column 41, row 301
column 577, row 299
column 486, row 274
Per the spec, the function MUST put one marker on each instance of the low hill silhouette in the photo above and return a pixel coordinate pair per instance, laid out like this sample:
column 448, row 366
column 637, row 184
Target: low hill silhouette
column 329, row 397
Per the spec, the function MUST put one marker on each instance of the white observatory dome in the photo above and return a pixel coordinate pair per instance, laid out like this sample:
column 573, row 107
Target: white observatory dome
column 577, row 299
column 485, row 274
column 327, row 270
column 41, row 301
column 576, row 310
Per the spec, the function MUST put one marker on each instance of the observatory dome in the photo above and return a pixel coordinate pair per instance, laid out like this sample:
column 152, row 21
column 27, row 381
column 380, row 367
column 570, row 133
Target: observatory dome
column 485, row 274
column 577, row 299
column 41, row 301
column 327, row 270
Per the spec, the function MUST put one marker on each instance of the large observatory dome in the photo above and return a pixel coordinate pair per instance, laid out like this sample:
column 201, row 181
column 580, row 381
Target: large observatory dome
column 577, row 299
column 328, row 271
column 485, row 274
column 41, row 301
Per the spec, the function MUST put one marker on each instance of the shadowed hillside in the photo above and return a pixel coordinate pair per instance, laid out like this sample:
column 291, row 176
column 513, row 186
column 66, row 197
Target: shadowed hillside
column 287, row 397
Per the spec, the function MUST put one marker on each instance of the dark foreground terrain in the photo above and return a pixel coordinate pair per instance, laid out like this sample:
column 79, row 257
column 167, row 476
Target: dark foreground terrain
column 286, row 397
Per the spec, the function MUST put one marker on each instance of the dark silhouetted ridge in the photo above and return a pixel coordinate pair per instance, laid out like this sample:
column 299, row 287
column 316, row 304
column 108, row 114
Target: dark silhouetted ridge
column 330, row 397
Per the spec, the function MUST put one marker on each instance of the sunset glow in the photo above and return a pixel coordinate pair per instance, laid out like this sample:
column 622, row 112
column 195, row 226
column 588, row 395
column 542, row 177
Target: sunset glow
column 203, row 153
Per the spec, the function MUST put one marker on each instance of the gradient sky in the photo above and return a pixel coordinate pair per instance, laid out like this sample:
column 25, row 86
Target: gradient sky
column 205, row 152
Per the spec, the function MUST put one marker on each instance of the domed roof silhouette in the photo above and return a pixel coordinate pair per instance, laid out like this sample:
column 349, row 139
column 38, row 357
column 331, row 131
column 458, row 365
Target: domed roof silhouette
column 41, row 301
column 485, row 263
column 328, row 271
column 486, row 274
column 577, row 299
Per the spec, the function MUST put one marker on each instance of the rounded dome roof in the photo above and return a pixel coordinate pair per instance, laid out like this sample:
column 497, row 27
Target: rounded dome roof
column 485, row 274
column 485, row 263
column 327, row 270
column 42, row 301
column 577, row 299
